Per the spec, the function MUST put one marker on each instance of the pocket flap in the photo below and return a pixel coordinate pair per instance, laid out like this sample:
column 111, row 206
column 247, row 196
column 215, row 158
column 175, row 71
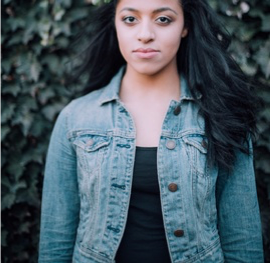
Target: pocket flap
column 90, row 143
column 199, row 142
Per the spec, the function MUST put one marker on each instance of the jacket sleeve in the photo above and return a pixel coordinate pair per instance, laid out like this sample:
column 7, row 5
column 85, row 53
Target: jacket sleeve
column 60, row 200
column 238, row 212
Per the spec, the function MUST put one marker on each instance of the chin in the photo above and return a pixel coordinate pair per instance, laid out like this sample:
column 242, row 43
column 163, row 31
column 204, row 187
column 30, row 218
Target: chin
column 149, row 70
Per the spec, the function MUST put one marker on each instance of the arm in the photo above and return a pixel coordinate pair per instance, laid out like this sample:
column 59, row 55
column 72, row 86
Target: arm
column 238, row 213
column 60, row 200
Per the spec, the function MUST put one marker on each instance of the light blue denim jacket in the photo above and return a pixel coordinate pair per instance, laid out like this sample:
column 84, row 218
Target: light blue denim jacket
column 88, row 179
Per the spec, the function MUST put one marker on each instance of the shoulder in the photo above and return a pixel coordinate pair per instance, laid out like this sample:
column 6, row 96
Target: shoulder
column 83, row 111
column 95, row 101
column 95, row 110
column 85, row 103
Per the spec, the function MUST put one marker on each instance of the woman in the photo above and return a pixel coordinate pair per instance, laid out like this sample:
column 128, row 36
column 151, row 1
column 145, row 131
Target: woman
column 155, row 163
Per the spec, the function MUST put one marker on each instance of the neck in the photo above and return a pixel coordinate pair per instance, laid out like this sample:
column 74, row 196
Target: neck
column 162, row 85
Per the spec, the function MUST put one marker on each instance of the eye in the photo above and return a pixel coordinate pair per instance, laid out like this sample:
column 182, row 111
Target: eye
column 164, row 20
column 129, row 19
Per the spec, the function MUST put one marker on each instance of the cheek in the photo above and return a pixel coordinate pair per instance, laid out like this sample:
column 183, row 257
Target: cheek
column 123, row 46
column 172, row 37
column 172, row 44
column 123, row 40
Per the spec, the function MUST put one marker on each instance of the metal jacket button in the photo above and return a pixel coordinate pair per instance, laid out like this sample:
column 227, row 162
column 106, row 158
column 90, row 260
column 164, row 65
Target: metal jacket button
column 170, row 144
column 179, row 233
column 173, row 187
column 177, row 110
column 204, row 144
column 90, row 142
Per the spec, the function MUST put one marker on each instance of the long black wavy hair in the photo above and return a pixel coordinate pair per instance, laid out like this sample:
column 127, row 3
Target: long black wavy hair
column 227, row 103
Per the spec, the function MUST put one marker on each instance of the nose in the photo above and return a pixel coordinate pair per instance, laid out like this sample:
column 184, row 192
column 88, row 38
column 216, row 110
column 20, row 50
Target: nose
column 146, row 33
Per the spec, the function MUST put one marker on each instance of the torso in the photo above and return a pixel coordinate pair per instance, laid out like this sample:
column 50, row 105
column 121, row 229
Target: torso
column 144, row 239
column 148, row 118
column 147, row 99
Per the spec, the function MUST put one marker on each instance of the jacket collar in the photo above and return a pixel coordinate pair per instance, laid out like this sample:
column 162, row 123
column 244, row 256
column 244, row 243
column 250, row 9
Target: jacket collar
column 185, row 91
column 111, row 91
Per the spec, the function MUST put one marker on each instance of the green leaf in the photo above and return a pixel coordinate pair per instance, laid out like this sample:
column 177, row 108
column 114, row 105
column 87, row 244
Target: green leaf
column 44, row 27
column 266, row 24
column 15, row 23
column 5, row 182
column 17, row 186
column 2, row 39
column 23, row 63
column 263, row 58
column 51, row 111
column 29, row 33
column 7, row 201
column 25, row 120
column 61, row 28
column 29, row 195
column 77, row 14
column 53, row 62
column 7, row 111
column 65, row 3
column 246, row 33
column 15, row 169
column 264, row 94
column 6, row 65
column 265, row 165
column 266, row 114
column 32, row 155
column 5, row 129
column 24, row 227
column 14, row 40
column 40, row 128
column 58, row 12
column 2, row 158
column 26, row 103
column 37, row 48
column 35, row 70
column 12, row 88
column 256, row 12
column 45, row 94
column 249, row 69
column 62, row 42
column 4, row 234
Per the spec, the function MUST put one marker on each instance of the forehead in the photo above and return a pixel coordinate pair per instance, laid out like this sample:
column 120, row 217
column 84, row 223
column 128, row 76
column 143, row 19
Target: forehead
column 149, row 4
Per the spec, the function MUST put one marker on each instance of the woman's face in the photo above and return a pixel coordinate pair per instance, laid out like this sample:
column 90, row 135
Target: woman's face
column 149, row 33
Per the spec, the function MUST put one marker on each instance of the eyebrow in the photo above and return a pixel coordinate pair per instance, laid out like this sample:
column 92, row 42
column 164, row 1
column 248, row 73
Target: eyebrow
column 159, row 10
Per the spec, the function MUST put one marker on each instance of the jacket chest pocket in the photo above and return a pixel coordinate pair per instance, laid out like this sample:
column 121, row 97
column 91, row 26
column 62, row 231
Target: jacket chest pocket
column 92, row 161
column 196, row 149
column 91, row 150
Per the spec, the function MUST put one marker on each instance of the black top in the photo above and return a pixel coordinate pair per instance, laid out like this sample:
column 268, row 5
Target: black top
column 144, row 238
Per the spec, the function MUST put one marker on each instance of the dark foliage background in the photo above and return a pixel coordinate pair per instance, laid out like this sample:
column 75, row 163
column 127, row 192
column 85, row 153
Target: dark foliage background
column 36, row 46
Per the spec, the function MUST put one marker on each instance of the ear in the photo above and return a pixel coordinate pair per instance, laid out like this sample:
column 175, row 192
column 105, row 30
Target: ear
column 184, row 32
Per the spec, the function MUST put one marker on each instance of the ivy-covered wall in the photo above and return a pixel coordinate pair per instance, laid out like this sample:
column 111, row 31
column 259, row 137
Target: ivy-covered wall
column 37, row 47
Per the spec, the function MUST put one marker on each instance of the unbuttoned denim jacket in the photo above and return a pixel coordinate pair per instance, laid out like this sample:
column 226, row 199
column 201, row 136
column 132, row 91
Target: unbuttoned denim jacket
column 88, row 180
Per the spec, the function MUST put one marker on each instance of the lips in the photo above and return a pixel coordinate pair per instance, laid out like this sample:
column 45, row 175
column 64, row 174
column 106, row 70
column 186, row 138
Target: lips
column 146, row 52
